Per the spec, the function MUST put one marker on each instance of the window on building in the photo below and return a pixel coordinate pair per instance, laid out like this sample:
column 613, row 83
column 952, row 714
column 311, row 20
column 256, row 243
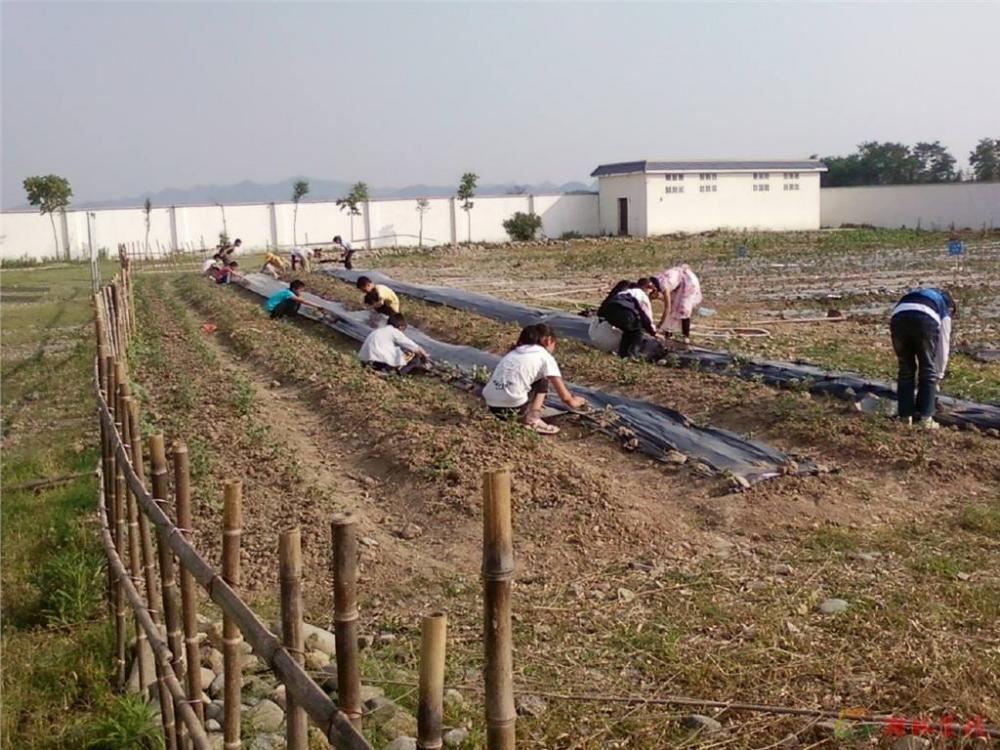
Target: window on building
column 674, row 177
column 707, row 176
column 791, row 186
column 761, row 175
column 708, row 188
column 675, row 188
column 762, row 188
column 791, row 175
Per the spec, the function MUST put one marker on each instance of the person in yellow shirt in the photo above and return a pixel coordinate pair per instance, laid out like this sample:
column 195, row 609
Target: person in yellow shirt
column 274, row 265
column 378, row 297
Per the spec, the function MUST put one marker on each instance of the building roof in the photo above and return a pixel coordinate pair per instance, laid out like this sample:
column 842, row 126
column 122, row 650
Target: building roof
column 631, row 167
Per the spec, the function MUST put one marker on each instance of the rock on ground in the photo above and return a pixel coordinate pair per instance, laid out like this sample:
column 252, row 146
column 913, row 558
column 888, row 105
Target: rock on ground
column 453, row 699
column 455, row 737
column 317, row 639
column 266, row 717
column 701, row 722
column 379, row 709
column 402, row 743
column 400, row 724
column 832, row 606
column 530, row 705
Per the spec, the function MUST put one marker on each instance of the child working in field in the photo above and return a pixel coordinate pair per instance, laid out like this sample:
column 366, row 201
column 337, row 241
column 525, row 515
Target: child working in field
column 378, row 297
column 346, row 251
column 273, row 266
column 389, row 348
column 287, row 301
column 520, row 382
column 628, row 309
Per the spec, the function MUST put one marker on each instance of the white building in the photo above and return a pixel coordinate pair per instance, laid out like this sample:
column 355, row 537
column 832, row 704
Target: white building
column 645, row 198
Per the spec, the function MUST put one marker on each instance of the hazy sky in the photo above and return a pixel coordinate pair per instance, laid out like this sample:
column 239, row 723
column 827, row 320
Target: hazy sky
column 129, row 97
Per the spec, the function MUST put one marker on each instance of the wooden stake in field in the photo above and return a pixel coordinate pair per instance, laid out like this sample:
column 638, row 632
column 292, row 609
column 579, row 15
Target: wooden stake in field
column 345, row 614
column 232, row 521
column 431, row 705
column 498, row 575
column 168, row 584
column 290, row 575
column 189, row 601
column 116, row 487
column 139, row 523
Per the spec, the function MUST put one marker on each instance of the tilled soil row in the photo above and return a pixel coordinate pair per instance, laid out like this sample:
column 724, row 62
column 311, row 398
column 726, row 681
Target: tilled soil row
column 869, row 452
column 630, row 579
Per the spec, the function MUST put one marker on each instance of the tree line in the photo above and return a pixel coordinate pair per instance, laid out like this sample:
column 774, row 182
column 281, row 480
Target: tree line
column 888, row 163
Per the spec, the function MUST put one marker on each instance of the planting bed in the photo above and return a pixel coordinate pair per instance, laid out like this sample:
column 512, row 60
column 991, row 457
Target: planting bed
column 633, row 578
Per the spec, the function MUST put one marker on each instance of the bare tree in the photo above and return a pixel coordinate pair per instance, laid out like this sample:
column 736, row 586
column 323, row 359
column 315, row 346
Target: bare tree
column 423, row 206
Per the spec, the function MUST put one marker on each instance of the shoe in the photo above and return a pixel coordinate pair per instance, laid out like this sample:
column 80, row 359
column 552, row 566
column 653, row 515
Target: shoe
column 928, row 423
column 541, row 427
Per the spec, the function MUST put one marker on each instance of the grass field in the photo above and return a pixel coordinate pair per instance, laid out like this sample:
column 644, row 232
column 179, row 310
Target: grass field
column 633, row 579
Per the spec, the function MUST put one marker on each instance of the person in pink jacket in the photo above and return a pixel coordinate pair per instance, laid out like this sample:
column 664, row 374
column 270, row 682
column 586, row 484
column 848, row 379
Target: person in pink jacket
column 681, row 293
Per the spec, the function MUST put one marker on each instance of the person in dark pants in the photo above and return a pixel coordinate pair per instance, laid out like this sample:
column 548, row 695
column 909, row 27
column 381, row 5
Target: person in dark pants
column 287, row 301
column 628, row 309
column 921, row 337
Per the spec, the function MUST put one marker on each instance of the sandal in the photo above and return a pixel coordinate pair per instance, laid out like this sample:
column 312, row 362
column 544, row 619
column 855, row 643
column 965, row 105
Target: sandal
column 541, row 427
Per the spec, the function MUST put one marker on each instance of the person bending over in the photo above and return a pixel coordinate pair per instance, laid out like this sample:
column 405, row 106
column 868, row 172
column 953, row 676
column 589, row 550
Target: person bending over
column 681, row 291
column 208, row 268
column 274, row 265
column 288, row 301
column 225, row 274
column 521, row 380
column 346, row 251
column 389, row 348
column 628, row 309
column 921, row 337
column 378, row 297
column 300, row 258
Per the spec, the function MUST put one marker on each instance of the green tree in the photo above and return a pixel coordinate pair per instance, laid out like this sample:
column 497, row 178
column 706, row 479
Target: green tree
column 934, row 163
column 351, row 202
column 985, row 160
column 50, row 193
column 147, row 209
column 299, row 191
column 423, row 206
column 522, row 226
column 466, row 191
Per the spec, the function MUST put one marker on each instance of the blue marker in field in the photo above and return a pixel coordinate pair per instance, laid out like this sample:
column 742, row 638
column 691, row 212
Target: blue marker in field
column 742, row 252
column 956, row 247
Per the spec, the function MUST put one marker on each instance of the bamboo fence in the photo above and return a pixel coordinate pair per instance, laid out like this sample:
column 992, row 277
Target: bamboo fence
column 160, row 585
column 166, row 630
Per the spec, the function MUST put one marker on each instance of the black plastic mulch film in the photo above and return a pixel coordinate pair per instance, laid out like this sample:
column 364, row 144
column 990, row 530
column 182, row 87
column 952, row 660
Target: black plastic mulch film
column 844, row 385
column 652, row 429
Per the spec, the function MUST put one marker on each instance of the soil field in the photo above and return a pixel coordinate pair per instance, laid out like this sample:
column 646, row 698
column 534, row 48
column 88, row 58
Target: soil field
column 634, row 578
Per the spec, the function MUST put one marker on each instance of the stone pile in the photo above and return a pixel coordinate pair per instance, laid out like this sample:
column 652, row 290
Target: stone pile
column 264, row 702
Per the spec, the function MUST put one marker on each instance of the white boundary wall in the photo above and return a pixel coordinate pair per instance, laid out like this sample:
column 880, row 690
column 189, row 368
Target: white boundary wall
column 381, row 223
column 964, row 204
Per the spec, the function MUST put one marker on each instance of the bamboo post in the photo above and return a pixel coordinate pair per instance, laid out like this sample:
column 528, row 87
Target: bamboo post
column 345, row 614
column 290, row 575
column 189, row 601
column 431, row 705
column 168, row 585
column 139, row 527
column 114, row 487
column 232, row 519
column 128, row 520
column 498, row 574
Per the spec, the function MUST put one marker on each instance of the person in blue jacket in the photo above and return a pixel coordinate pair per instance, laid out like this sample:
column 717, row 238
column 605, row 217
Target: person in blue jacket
column 921, row 337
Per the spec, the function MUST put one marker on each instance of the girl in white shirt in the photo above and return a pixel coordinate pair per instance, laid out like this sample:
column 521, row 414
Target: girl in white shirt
column 520, row 382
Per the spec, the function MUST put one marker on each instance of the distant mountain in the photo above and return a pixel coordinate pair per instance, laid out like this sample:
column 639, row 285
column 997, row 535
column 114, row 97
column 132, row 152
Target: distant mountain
column 319, row 190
